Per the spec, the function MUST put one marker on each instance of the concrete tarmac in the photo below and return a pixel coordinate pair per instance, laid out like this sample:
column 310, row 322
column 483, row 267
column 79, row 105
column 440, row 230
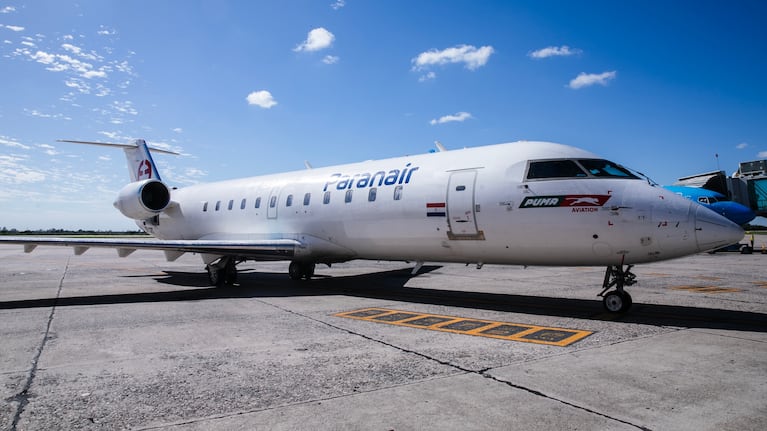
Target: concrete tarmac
column 99, row 342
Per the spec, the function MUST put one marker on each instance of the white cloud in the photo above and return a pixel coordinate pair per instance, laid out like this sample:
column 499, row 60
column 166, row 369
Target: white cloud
column 742, row 145
column 64, row 62
column 427, row 76
column 125, row 107
column 178, row 130
column 9, row 9
column 459, row 116
column 10, row 142
column 104, row 31
column 317, row 39
column 330, row 59
column 338, row 4
column 14, row 171
column 762, row 154
column 36, row 113
column 471, row 56
column 261, row 98
column 554, row 51
column 14, row 28
column 589, row 79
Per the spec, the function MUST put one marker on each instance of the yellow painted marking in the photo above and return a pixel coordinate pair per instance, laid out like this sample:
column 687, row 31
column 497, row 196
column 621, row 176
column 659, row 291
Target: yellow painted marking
column 462, row 325
column 706, row 289
column 707, row 277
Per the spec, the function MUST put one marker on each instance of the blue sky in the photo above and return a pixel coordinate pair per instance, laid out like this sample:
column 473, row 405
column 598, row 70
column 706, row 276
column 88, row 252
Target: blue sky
column 248, row 88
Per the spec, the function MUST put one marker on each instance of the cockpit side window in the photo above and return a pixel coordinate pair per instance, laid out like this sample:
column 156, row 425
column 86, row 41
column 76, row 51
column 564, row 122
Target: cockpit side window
column 554, row 169
column 605, row 168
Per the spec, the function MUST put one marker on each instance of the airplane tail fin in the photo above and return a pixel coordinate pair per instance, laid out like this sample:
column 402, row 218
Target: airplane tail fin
column 140, row 163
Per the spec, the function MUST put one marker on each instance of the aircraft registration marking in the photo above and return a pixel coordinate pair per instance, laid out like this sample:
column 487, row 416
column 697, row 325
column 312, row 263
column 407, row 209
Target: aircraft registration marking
column 459, row 325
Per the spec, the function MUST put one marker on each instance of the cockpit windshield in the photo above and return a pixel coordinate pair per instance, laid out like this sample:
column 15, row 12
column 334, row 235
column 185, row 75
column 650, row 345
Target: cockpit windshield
column 581, row 168
column 554, row 169
column 604, row 168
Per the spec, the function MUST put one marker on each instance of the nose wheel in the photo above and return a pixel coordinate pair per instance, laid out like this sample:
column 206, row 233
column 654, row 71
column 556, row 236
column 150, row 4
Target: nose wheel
column 618, row 300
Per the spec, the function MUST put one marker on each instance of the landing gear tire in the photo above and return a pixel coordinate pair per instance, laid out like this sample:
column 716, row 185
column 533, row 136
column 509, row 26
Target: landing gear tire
column 230, row 273
column 617, row 301
column 225, row 275
column 215, row 276
column 301, row 270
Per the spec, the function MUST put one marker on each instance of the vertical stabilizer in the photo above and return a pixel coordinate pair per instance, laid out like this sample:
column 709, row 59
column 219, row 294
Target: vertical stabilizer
column 140, row 163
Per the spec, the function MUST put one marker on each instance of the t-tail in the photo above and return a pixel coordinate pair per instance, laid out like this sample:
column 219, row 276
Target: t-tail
column 146, row 196
column 140, row 163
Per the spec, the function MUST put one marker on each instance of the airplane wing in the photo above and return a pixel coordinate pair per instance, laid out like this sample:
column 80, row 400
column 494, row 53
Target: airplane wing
column 276, row 249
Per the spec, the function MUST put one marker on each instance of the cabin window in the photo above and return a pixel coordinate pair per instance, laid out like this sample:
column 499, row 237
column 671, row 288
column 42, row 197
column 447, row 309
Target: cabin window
column 605, row 168
column 204, row 206
column 273, row 202
column 398, row 193
column 460, row 188
column 348, row 197
column 258, row 202
column 372, row 194
column 242, row 204
column 326, row 198
column 218, row 205
column 307, row 199
column 554, row 169
column 231, row 204
column 289, row 201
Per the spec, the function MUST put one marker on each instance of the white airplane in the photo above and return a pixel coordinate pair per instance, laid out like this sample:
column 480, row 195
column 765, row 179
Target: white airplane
column 522, row 203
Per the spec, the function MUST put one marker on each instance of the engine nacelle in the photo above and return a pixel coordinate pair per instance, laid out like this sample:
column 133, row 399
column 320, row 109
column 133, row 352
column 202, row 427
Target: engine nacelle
column 143, row 199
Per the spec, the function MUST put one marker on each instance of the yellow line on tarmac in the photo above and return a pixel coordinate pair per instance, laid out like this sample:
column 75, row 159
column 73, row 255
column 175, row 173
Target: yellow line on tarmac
column 551, row 336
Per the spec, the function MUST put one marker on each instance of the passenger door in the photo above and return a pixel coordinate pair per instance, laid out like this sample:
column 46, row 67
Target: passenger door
column 461, row 208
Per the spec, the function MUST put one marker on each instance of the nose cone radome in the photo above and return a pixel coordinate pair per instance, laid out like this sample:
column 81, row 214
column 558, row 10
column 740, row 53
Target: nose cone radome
column 713, row 230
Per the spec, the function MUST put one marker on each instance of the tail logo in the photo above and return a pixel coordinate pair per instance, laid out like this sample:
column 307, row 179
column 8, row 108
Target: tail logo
column 144, row 170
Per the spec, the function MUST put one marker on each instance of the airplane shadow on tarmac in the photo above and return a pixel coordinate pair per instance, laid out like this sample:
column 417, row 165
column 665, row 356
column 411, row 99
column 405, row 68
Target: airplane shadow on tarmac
column 390, row 286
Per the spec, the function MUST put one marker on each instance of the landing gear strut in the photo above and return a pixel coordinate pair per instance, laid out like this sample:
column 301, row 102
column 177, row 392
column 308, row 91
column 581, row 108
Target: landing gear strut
column 223, row 272
column 301, row 270
column 618, row 300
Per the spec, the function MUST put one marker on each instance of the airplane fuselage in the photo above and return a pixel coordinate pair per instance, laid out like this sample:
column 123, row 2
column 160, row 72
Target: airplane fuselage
column 518, row 203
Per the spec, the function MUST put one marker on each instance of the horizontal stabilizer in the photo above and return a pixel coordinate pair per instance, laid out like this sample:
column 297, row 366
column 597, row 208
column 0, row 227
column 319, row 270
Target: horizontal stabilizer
column 123, row 146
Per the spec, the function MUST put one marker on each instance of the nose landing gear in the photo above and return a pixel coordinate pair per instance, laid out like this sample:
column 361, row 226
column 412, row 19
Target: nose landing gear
column 618, row 300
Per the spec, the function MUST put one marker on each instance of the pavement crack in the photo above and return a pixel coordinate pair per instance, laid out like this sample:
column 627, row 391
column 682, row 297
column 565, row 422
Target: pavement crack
column 482, row 372
column 22, row 398
column 569, row 404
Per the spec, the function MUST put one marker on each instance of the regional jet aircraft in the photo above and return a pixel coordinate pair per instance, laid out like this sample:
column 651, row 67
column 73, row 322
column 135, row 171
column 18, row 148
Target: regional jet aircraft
column 522, row 203
column 735, row 212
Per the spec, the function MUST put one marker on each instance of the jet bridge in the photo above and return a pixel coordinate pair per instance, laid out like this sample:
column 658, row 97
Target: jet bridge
column 747, row 186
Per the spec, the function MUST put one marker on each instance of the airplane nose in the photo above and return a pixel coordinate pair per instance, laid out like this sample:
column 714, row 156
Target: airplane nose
column 713, row 231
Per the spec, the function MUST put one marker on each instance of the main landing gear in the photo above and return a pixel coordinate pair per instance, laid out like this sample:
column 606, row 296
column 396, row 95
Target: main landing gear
column 223, row 272
column 618, row 300
column 301, row 270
